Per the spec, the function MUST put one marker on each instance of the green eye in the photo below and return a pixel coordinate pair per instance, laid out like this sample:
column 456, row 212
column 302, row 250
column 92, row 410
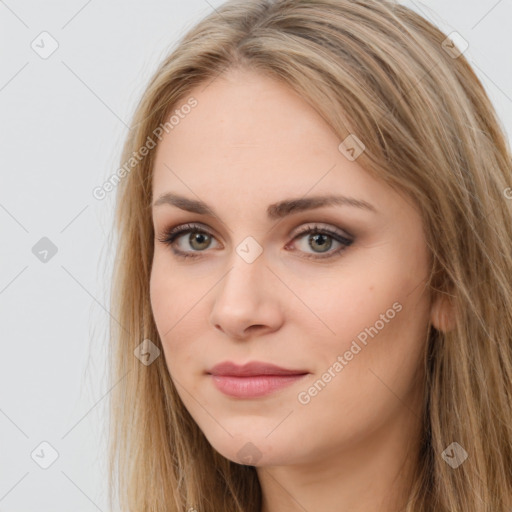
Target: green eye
column 319, row 240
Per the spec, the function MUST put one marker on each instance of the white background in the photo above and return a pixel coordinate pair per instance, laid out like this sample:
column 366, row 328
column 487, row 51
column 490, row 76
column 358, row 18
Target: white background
column 63, row 120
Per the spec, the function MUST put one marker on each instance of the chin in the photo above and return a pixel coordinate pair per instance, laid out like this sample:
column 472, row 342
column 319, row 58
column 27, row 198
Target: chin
column 254, row 450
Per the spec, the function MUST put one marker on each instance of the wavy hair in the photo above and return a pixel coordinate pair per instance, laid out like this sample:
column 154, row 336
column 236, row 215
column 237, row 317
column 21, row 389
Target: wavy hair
column 380, row 71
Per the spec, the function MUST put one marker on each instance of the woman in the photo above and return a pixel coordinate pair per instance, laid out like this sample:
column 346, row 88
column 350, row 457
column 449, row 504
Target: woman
column 312, row 295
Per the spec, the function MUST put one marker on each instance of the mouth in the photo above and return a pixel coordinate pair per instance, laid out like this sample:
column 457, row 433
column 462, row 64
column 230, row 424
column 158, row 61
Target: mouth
column 254, row 379
column 252, row 369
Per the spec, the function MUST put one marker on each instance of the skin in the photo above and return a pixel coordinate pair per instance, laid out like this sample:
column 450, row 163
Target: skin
column 250, row 142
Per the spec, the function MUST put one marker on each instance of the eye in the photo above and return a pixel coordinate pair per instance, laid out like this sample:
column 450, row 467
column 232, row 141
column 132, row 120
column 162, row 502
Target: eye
column 320, row 240
column 199, row 239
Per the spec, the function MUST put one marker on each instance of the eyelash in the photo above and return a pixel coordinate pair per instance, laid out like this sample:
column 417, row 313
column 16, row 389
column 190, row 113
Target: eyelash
column 172, row 234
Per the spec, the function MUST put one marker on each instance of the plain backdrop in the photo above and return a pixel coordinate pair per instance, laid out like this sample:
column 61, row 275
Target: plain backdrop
column 63, row 120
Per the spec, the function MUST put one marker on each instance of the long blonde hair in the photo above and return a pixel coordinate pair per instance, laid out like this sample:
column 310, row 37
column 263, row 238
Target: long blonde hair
column 377, row 70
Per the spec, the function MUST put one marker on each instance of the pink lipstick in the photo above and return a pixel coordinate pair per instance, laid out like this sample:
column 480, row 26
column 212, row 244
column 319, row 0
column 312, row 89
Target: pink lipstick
column 253, row 379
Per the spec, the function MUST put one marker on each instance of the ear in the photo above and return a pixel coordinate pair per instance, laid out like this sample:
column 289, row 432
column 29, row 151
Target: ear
column 442, row 313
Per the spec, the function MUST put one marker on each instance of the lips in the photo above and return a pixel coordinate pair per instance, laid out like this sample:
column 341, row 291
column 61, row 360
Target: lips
column 252, row 380
column 254, row 368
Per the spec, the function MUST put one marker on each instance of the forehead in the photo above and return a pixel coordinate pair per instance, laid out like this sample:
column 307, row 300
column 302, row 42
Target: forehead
column 249, row 129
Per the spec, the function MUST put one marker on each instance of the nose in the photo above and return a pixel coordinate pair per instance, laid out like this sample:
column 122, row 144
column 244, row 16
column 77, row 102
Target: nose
column 247, row 300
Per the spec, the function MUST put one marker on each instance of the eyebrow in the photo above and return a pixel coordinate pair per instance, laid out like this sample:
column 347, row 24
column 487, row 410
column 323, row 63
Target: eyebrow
column 274, row 211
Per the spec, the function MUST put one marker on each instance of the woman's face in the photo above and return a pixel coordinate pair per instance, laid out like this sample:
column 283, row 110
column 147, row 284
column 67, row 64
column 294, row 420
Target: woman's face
column 344, row 305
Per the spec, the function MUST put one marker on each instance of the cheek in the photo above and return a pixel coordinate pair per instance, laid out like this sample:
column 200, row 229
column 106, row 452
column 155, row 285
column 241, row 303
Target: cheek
column 347, row 300
column 380, row 337
column 176, row 312
column 374, row 309
column 160, row 292
column 170, row 292
column 166, row 306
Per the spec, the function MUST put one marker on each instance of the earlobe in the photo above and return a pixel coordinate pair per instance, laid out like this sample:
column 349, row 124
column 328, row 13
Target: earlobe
column 443, row 315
